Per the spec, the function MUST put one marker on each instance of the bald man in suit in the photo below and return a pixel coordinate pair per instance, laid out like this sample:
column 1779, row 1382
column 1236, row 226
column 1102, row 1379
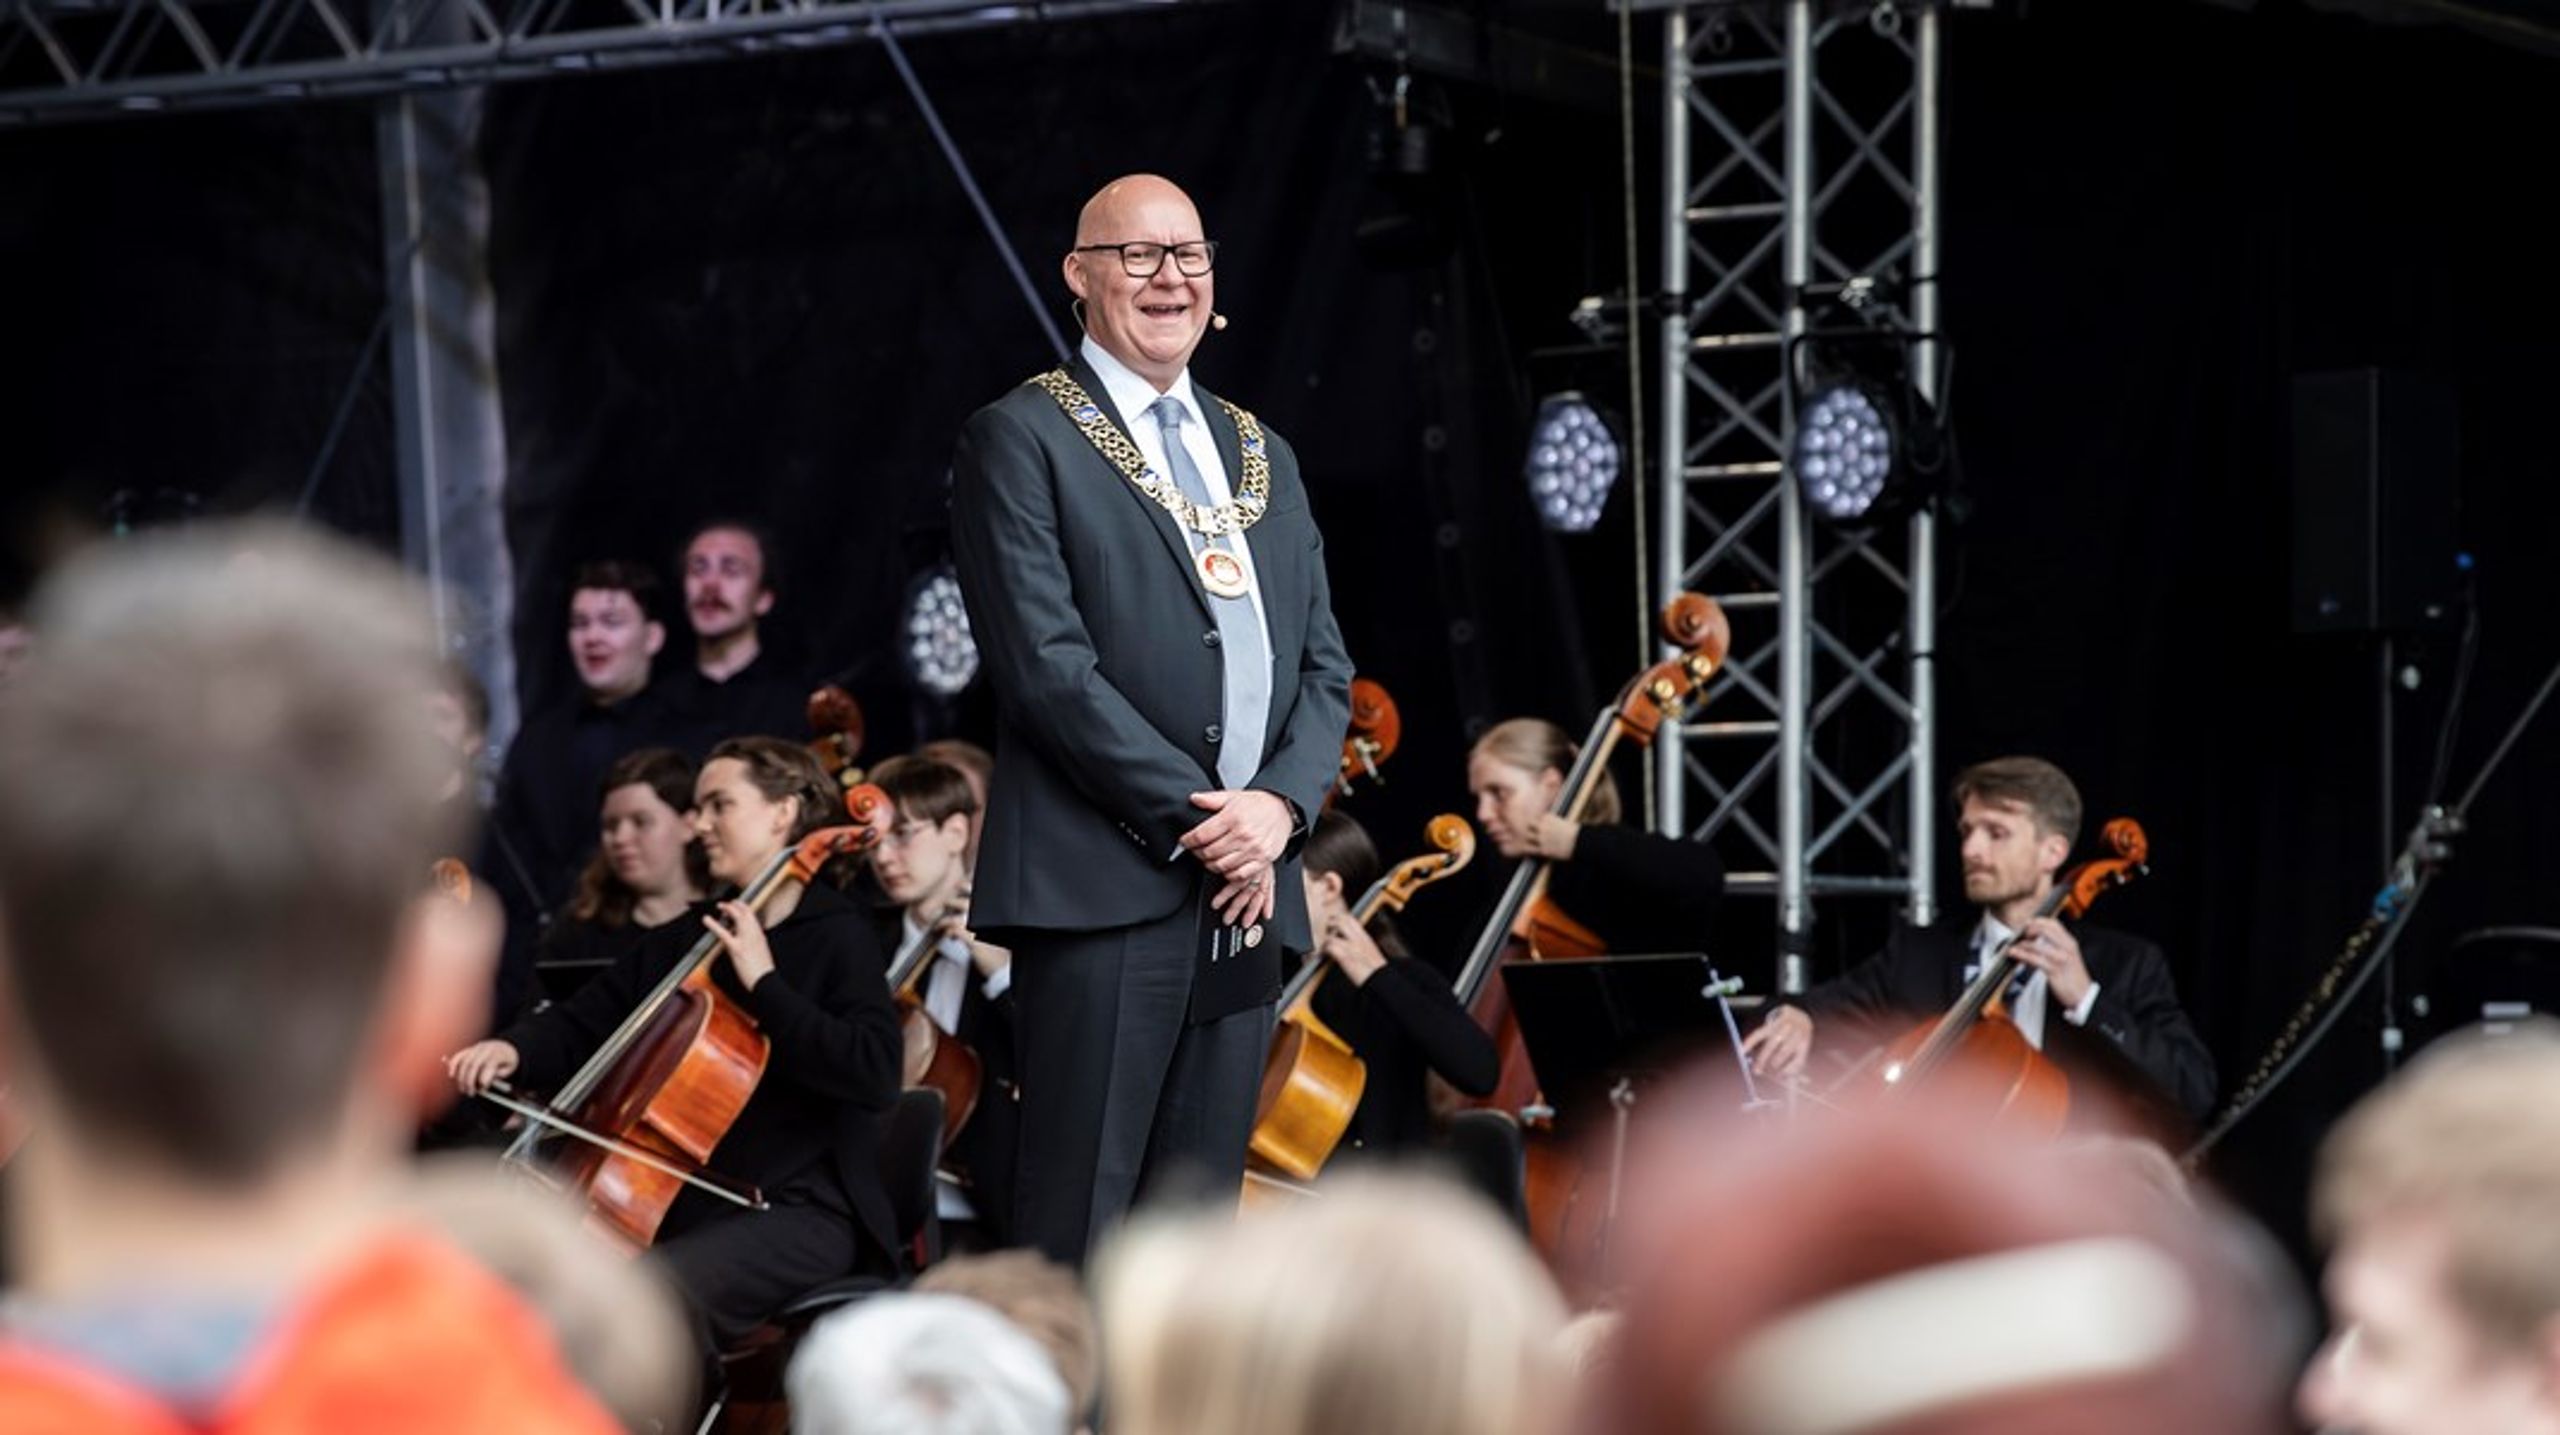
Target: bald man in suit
column 1147, row 589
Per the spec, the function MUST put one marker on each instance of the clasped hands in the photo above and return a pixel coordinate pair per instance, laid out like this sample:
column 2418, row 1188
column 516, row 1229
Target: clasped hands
column 1241, row 841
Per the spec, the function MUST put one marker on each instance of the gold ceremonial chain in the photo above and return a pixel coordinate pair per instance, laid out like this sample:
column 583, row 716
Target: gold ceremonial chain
column 1252, row 497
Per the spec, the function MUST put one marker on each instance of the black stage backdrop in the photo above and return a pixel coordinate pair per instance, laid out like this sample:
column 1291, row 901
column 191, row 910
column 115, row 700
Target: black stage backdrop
column 757, row 289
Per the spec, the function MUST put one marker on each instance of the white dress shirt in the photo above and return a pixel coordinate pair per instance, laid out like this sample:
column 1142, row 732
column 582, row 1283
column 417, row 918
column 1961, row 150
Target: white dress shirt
column 2027, row 1010
column 1130, row 396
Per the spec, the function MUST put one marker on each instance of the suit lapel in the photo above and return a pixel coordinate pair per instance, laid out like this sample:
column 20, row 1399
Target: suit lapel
column 1166, row 528
column 1955, row 952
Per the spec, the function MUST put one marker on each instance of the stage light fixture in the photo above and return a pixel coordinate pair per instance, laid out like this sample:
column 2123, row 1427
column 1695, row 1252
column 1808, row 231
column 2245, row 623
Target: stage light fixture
column 1867, row 446
column 1846, row 451
column 1574, row 458
column 941, row 655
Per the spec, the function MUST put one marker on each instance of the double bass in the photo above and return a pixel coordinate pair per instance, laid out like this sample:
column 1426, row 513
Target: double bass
column 1525, row 925
column 1312, row 1081
column 662, row 1091
column 1976, row 1037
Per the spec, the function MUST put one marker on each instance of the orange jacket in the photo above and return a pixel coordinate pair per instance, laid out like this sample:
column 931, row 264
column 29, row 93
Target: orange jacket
column 410, row 1338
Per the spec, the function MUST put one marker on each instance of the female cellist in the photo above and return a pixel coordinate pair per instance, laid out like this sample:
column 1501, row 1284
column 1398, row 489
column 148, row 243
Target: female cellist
column 1635, row 891
column 809, row 972
column 1396, row 1012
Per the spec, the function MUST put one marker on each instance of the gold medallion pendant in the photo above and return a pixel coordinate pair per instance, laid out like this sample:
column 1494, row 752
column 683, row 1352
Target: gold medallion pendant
column 1221, row 572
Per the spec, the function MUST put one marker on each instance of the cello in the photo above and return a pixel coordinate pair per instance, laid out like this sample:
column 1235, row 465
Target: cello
column 1376, row 727
column 1525, row 925
column 663, row 1089
column 934, row 1057
column 1312, row 1081
column 1976, row 1037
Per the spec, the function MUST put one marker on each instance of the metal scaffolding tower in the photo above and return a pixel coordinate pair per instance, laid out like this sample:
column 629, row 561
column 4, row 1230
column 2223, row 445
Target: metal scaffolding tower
column 1799, row 154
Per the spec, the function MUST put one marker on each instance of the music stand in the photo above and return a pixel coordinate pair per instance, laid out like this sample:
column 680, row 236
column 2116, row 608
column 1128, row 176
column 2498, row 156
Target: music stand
column 1594, row 1026
column 1592, row 1023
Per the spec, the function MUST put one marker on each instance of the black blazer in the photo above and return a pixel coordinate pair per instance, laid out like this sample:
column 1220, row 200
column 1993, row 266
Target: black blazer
column 831, row 1075
column 2137, row 1018
column 1639, row 891
column 1404, row 1023
column 1103, row 657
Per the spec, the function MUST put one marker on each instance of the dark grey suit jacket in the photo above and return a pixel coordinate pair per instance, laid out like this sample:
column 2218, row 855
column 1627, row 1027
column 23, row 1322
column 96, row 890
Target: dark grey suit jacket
column 1107, row 675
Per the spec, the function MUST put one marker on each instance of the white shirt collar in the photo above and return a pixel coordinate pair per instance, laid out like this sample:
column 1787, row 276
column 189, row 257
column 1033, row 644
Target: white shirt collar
column 1988, row 935
column 1132, row 395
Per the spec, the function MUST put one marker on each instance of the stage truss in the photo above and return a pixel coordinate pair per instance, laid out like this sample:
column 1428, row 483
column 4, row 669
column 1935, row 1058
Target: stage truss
column 68, row 60
column 1799, row 155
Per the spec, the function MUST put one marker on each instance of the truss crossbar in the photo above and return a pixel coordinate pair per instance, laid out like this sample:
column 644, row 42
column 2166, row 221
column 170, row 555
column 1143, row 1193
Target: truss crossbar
column 72, row 60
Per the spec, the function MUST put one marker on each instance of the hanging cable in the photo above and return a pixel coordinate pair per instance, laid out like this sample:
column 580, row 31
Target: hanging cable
column 969, row 183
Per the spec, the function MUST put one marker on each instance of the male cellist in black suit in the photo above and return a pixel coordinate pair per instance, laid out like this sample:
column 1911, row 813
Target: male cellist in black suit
column 2018, row 818
column 1148, row 594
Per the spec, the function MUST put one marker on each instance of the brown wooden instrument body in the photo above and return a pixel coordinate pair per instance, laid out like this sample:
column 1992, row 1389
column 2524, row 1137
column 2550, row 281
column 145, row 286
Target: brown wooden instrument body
column 674, row 1078
column 2017, row 1086
column 681, row 1086
column 934, row 1057
column 1312, row 1081
column 1544, row 932
column 930, row 1056
column 1371, row 738
column 1975, row 1050
column 1311, row 1087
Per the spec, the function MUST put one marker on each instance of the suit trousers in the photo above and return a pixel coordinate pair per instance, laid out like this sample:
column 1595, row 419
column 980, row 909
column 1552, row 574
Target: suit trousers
column 1122, row 1098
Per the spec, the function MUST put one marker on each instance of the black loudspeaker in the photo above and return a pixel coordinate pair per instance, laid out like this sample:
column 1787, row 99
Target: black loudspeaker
column 2374, row 485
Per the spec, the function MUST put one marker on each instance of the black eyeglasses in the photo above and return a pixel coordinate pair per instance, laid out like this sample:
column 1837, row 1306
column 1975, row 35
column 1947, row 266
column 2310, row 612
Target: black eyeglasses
column 1142, row 260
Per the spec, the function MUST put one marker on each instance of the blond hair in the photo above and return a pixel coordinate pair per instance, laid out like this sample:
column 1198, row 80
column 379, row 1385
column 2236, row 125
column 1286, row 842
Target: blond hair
column 1390, row 1305
column 1535, row 745
column 2469, row 1140
column 1039, row 1296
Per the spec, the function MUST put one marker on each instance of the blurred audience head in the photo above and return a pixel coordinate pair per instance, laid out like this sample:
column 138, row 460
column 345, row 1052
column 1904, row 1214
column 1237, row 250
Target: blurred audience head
column 1908, row 1271
column 1043, row 1299
column 219, row 805
column 620, row 1327
column 919, row 1363
column 2437, row 1195
column 1389, row 1305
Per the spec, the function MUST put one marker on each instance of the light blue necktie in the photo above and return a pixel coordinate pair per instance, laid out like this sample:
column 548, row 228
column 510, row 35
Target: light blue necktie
column 1242, row 643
